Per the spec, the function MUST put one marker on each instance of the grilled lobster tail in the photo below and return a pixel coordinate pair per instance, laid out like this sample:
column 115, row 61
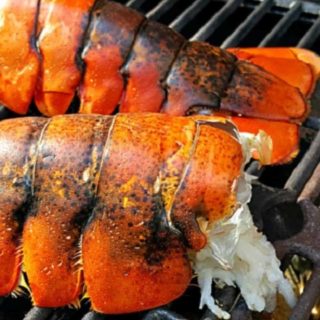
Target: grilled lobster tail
column 117, row 57
column 117, row 211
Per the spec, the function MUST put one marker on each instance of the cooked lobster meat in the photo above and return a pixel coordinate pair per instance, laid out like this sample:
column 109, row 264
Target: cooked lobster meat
column 111, row 203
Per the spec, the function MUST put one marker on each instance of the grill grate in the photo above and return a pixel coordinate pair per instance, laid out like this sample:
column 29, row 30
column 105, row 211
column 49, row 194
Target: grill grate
column 242, row 23
column 288, row 16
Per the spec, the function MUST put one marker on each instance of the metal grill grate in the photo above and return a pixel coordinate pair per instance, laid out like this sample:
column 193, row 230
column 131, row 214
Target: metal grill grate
column 239, row 22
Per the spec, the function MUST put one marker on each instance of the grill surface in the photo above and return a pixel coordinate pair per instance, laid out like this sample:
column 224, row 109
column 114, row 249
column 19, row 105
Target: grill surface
column 285, row 199
column 239, row 22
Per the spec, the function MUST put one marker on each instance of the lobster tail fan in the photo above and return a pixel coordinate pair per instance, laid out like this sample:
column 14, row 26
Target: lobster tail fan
column 285, row 64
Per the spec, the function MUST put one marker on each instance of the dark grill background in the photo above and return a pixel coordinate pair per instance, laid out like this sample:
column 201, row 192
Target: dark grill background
column 239, row 22
column 228, row 24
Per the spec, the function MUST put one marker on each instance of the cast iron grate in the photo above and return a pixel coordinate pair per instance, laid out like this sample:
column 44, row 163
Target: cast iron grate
column 285, row 199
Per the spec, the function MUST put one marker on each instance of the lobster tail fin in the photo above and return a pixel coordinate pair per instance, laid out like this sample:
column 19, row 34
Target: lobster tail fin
column 254, row 92
column 298, row 67
column 209, row 77
column 283, row 150
column 309, row 57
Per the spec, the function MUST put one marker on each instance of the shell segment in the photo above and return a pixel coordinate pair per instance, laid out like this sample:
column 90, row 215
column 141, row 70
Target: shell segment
column 153, row 52
column 139, row 253
column 17, row 160
column 253, row 92
column 61, row 28
column 208, row 188
column 198, row 77
column 68, row 161
column 111, row 34
column 19, row 63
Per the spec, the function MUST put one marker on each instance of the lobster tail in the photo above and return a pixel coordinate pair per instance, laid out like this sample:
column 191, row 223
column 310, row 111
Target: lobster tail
column 118, row 58
column 92, row 216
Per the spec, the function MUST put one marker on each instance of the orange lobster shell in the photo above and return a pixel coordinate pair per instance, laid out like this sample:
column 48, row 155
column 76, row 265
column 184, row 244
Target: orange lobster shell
column 111, row 56
column 117, row 211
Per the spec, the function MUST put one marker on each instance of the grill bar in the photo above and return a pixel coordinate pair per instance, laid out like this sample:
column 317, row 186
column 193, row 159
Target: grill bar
column 161, row 8
column 187, row 15
column 205, row 31
column 93, row 316
column 283, row 25
column 307, row 244
column 303, row 309
column 311, row 36
column 305, row 168
column 312, row 123
column 162, row 314
column 312, row 188
column 39, row 314
column 135, row 4
column 247, row 25
column 295, row 10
